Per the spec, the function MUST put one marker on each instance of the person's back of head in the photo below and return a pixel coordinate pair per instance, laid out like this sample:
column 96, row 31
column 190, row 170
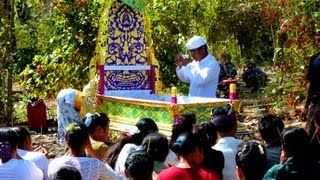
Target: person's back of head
column 77, row 135
column 8, row 143
column 67, row 173
column 183, row 123
column 270, row 127
column 145, row 127
column 251, row 160
column 224, row 119
column 225, row 124
column 139, row 165
column 186, row 144
column 207, row 133
column 223, row 110
column 25, row 142
column 294, row 141
column 157, row 146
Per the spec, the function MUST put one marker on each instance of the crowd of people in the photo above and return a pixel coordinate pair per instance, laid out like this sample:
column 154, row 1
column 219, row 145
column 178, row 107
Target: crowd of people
column 195, row 150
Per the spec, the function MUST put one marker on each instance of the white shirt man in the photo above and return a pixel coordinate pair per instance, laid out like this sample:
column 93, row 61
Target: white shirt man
column 202, row 73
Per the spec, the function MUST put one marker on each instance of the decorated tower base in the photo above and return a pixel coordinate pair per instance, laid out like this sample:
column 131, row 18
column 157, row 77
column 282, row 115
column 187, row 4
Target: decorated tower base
column 128, row 76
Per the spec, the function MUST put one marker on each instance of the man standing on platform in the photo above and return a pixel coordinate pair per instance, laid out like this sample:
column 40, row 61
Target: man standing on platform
column 202, row 73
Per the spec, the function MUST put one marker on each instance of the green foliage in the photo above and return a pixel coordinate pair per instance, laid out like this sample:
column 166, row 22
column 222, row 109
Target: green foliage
column 293, row 25
column 55, row 40
column 62, row 47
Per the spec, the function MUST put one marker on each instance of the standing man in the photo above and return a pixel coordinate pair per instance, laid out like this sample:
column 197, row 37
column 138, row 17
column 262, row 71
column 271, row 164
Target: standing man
column 313, row 90
column 202, row 73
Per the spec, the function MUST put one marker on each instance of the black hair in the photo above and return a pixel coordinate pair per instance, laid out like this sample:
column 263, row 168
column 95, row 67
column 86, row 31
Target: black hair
column 114, row 150
column 223, row 110
column 224, row 123
column 144, row 125
column 77, row 135
column 186, row 144
column 270, row 127
column 139, row 165
column 251, row 159
column 23, row 134
column 295, row 140
column 156, row 145
column 67, row 173
column 183, row 123
column 97, row 119
column 8, row 143
column 207, row 133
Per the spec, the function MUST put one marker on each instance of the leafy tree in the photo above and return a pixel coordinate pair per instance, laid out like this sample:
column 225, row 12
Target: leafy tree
column 8, row 44
column 65, row 45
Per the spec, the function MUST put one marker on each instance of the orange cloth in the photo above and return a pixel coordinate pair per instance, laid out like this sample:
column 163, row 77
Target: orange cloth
column 78, row 100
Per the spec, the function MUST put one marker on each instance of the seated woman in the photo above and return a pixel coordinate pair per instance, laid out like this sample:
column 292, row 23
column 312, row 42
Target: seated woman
column 156, row 145
column 190, row 152
column 98, row 126
column 251, row 160
column 77, row 139
column 26, row 150
column 12, row 166
column 139, row 166
column 213, row 159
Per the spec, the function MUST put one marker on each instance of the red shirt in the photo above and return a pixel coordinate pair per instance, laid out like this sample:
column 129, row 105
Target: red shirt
column 176, row 173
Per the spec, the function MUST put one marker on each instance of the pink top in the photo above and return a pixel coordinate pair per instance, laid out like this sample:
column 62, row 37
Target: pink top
column 176, row 173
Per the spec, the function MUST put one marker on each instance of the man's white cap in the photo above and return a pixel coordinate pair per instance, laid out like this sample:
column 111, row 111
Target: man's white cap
column 195, row 42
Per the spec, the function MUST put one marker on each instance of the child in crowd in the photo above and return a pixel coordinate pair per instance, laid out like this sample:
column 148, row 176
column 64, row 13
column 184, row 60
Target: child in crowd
column 139, row 166
column 12, row 166
column 98, row 126
column 77, row 139
column 26, row 151
column 157, row 146
column 224, row 119
column 251, row 160
column 270, row 128
column 67, row 173
column 213, row 159
column 190, row 152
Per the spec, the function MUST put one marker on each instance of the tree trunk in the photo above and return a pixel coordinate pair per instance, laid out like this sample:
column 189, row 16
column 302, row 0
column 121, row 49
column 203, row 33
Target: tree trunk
column 10, row 63
column 8, row 45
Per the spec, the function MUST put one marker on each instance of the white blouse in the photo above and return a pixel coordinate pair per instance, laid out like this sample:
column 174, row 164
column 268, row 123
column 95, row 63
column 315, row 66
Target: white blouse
column 90, row 168
column 20, row 169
